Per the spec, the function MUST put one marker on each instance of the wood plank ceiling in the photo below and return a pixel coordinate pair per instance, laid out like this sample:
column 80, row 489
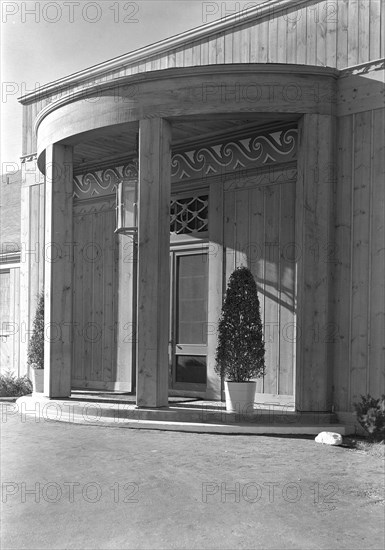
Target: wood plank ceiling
column 112, row 145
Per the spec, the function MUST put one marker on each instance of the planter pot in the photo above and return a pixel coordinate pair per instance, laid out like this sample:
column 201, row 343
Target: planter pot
column 38, row 380
column 240, row 397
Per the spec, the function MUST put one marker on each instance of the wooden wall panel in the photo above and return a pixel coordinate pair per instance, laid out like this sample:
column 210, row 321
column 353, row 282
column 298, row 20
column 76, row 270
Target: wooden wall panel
column 353, row 23
column 15, row 318
column 382, row 31
column 94, row 298
column 259, row 227
column 241, row 227
column 78, row 363
column 32, row 252
column 35, row 243
column 196, row 47
column 321, row 33
column 331, row 23
column 204, row 60
column 237, row 52
column 109, row 283
column 342, row 269
column 5, row 319
column 26, row 131
column 374, row 30
column 272, row 287
column 126, row 314
column 171, row 61
column 360, row 260
column 272, row 48
column 301, row 37
column 311, row 38
column 342, row 33
column 229, row 235
column 376, row 358
column 292, row 39
column 256, row 249
column 315, row 193
column 363, row 31
column 358, row 288
column 282, row 40
column 228, row 38
column 287, row 299
column 10, row 320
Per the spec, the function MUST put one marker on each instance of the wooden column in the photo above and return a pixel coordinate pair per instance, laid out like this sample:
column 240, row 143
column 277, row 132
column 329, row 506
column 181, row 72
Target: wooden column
column 314, row 229
column 58, row 264
column 153, row 263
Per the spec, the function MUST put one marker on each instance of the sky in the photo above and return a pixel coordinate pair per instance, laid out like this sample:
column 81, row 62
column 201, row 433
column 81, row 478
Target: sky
column 44, row 40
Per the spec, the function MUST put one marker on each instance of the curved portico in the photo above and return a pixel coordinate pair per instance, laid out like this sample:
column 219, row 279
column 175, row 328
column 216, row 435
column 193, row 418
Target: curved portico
column 188, row 92
column 256, row 139
column 150, row 116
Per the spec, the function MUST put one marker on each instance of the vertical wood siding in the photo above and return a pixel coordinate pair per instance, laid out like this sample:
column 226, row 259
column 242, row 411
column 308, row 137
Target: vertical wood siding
column 32, row 260
column 94, row 299
column 259, row 232
column 10, row 320
column 359, row 281
column 335, row 34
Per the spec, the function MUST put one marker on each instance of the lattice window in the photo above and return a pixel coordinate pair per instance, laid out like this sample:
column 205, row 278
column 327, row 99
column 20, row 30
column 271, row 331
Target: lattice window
column 189, row 215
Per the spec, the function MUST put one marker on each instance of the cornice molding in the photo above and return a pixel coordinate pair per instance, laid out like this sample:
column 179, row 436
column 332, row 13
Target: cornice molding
column 363, row 68
column 253, row 70
column 28, row 158
column 268, row 8
column 9, row 259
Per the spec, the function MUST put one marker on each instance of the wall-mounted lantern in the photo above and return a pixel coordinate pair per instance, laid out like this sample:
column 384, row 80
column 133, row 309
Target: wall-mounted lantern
column 126, row 207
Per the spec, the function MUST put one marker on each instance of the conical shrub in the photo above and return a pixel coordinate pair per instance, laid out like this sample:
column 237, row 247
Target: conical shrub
column 240, row 353
column 36, row 342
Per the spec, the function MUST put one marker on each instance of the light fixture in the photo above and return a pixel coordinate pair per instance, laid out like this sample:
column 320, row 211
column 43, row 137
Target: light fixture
column 126, row 207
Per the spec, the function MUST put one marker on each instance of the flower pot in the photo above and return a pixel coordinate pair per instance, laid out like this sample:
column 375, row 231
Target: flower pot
column 38, row 380
column 240, row 397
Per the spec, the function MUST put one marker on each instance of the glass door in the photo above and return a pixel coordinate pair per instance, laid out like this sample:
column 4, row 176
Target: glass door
column 189, row 320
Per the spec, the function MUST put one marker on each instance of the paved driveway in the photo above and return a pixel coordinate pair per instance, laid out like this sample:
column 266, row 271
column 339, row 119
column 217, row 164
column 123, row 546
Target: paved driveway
column 85, row 487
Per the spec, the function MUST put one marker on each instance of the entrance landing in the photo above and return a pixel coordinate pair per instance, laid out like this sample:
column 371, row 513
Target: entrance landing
column 183, row 414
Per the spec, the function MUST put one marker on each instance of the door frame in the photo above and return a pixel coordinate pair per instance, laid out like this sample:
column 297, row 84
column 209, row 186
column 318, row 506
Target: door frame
column 183, row 247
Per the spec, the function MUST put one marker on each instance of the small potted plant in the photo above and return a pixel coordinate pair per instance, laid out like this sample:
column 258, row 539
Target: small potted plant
column 371, row 415
column 240, row 357
column 36, row 348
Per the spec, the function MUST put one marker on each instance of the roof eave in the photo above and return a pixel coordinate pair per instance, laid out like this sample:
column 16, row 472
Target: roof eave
column 143, row 54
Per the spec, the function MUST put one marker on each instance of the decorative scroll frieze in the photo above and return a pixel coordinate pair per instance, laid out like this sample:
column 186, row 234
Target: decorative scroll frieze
column 261, row 150
column 253, row 152
column 103, row 182
column 28, row 158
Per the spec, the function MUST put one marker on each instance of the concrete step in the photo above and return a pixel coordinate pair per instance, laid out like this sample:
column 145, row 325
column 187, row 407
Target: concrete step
column 176, row 418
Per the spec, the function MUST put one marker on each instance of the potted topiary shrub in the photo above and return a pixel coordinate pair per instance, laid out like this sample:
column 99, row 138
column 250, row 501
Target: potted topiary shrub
column 240, row 356
column 36, row 348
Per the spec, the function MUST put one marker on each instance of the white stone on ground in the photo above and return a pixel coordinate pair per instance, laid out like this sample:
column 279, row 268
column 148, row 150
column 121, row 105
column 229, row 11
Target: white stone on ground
column 329, row 438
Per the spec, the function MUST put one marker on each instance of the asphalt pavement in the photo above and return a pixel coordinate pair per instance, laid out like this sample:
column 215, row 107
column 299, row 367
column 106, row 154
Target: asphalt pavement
column 91, row 487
